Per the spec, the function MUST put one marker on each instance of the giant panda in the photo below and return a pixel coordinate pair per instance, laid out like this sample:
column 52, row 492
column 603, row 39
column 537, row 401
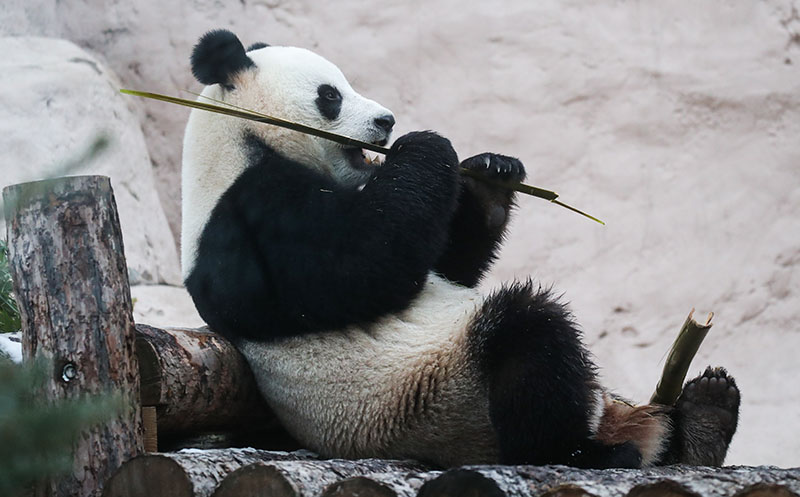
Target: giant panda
column 351, row 289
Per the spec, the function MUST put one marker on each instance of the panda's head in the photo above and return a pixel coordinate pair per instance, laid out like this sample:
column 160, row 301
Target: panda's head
column 298, row 85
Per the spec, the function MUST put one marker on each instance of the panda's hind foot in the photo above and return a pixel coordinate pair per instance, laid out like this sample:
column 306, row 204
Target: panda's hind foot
column 706, row 415
column 714, row 394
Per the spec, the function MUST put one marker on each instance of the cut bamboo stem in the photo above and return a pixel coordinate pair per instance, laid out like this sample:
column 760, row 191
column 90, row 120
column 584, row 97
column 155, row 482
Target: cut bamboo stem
column 679, row 359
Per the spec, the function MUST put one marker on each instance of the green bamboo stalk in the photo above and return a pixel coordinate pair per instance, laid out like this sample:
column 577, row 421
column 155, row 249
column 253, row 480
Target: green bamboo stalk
column 235, row 111
column 679, row 359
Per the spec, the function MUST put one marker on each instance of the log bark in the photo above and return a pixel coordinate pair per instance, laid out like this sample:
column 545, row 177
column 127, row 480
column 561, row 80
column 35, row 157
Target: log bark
column 678, row 480
column 197, row 380
column 203, row 391
column 71, row 283
column 240, row 471
column 358, row 486
column 250, row 472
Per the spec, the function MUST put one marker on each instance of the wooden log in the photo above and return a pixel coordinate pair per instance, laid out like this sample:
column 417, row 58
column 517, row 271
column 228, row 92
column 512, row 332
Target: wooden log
column 247, row 472
column 190, row 472
column 197, row 380
column 241, row 471
column 204, row 393
column 256, row 479
column 358, row 486
column 71, row 283
column 461, row 482
column 697, row 481
column 345, row 477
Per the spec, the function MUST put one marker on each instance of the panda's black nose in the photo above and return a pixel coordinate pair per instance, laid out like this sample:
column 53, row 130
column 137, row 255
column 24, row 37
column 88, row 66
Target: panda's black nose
column 386, row 122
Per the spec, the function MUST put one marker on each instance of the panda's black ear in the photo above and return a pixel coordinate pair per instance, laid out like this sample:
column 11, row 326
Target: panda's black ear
column 218, row 57
column 256, row 46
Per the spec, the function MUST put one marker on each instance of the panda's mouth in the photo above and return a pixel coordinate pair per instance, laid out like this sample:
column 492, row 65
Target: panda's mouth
column 360, row 159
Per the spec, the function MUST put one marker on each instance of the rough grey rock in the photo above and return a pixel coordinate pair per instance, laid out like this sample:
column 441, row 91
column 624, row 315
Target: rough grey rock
column 55, row 99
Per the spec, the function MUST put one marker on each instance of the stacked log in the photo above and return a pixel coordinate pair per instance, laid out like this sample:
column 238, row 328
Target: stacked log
column 198, row 391
column 251, row 472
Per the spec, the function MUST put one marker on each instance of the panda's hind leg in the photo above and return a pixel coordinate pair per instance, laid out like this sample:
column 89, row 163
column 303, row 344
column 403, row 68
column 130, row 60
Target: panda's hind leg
column 705, row 418
column 544, row 401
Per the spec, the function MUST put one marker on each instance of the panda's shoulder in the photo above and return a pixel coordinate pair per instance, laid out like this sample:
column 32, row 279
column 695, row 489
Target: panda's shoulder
column 268, row 175
column 271, row 184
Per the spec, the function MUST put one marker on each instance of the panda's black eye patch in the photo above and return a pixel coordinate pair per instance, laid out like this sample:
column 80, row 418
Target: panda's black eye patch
column 329, row 101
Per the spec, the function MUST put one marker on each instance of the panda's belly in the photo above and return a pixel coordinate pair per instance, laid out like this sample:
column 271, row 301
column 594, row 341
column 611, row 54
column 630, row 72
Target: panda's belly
column 403, row 387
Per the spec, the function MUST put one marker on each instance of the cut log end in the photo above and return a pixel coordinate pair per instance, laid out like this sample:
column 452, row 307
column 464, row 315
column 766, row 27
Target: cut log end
column 664, row 488
column 152, row 476
column 256, row 479
column 358, row 486
column 461, row 483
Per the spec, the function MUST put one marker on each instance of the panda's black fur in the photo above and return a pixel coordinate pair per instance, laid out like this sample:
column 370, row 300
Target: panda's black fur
column 291, row 254
column 400, row 220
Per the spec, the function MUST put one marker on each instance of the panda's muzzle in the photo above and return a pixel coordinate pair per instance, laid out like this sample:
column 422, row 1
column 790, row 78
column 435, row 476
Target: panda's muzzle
column 386, row 123
column 358, row 158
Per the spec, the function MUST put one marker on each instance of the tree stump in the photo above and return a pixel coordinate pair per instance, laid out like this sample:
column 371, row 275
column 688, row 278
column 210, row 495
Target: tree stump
column 71, row 283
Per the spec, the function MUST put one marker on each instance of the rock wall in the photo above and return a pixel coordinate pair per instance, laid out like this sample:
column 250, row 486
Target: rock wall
column 55, row 101
column 675, row 122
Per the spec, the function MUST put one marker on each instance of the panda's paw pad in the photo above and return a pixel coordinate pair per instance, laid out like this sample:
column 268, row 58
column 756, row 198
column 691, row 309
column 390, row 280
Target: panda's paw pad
column 713, row 395
column 495, row 166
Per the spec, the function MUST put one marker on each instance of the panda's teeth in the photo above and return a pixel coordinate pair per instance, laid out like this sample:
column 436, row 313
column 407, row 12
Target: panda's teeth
column 370, row 159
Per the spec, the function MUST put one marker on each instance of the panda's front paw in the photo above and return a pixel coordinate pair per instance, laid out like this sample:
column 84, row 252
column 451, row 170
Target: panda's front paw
column 424, row 147
column 496, row 166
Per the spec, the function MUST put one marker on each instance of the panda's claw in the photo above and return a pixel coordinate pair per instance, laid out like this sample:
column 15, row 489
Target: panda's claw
column 496, row 166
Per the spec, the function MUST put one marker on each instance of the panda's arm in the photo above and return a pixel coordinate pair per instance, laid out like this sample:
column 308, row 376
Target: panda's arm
column 330, row 256
column 479, row 224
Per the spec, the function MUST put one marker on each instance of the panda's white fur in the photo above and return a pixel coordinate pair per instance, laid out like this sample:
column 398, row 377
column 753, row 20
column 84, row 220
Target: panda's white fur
column 416, row 382
column 402, row 386
column 213, row 152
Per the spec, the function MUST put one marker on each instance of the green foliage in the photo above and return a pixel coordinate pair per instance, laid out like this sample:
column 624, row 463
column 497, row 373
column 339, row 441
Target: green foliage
column 36, row 436
column 9, row 312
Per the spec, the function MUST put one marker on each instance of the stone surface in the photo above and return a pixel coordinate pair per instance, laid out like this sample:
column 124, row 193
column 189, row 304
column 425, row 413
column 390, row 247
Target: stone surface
column 164, row 306
column 675, row 122
column 55, row 99
column 11, row 346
